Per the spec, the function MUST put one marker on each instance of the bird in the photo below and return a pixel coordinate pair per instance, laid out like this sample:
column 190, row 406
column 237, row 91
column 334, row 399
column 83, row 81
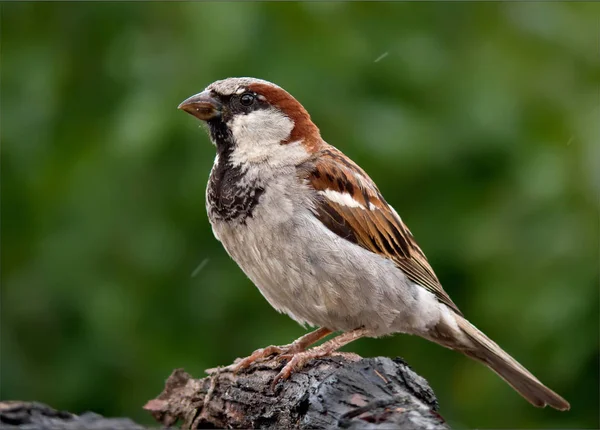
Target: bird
column 313, row 232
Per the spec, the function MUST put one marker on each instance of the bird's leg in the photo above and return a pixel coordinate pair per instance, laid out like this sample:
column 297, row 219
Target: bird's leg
column 295, row 347
column 299, row 359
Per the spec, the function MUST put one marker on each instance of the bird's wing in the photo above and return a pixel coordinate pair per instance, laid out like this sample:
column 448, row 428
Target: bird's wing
column 350, row 205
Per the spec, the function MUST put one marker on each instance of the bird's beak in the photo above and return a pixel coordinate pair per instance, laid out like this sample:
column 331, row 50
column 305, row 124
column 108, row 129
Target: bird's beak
column 203, row 106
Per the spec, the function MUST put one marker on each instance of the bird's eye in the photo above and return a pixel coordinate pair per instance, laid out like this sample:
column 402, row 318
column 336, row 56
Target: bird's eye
column 247, row 99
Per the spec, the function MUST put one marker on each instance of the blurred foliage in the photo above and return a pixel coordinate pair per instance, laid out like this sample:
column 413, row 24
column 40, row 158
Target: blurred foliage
column 478, row 121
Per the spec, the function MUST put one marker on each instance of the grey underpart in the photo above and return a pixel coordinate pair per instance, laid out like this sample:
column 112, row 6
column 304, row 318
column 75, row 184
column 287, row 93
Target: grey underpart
column 342, row 391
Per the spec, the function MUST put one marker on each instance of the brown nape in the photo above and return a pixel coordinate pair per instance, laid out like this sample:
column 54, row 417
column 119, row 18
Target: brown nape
column 304, row 128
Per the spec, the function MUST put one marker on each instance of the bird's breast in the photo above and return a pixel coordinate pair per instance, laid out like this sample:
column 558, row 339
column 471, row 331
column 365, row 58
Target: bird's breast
column 313, row 275
column 231, row 196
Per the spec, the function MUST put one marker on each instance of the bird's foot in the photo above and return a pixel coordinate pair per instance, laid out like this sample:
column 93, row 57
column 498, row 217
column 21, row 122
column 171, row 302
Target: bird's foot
column 298, row 361
column 259, row 354
column 295, row 347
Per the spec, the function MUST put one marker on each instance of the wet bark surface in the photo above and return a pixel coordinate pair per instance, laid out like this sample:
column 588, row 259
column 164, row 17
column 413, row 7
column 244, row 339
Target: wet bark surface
column 342, row 391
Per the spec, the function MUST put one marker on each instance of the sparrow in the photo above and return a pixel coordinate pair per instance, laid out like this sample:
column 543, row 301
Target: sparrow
column 313, row 232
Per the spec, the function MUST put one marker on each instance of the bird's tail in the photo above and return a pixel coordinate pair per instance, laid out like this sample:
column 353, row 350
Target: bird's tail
column 473, row 343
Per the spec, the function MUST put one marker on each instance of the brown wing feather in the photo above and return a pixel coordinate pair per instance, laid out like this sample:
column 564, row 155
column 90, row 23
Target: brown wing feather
column 374, row 226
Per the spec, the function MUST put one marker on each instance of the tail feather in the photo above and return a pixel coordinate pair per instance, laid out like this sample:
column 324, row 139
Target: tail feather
column 478, row 346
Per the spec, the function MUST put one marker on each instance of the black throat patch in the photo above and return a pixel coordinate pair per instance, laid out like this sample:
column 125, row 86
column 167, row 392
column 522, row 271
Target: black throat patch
column 230, row 195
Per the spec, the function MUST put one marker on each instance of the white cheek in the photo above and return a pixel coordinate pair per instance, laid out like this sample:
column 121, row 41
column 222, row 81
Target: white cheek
column 258, row 136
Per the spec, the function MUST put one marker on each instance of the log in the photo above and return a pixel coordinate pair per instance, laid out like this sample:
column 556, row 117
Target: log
column 341, row 391
column 38, row 416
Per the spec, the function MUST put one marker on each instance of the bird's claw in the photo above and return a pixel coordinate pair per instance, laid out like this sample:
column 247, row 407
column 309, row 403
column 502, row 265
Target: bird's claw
column 278, row 351
column 257, row 355
column 296, row 362
column 219, row 369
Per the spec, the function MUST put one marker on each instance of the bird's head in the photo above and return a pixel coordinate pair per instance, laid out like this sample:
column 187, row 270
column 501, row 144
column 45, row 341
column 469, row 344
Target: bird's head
column 255, row 121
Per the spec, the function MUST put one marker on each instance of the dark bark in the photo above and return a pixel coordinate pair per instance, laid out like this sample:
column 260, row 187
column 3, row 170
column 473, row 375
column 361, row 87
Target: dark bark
column 343, row 391
column 37, row 416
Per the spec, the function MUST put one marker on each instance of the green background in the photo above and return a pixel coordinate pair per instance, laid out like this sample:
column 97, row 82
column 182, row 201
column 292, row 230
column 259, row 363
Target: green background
column 479, row 122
